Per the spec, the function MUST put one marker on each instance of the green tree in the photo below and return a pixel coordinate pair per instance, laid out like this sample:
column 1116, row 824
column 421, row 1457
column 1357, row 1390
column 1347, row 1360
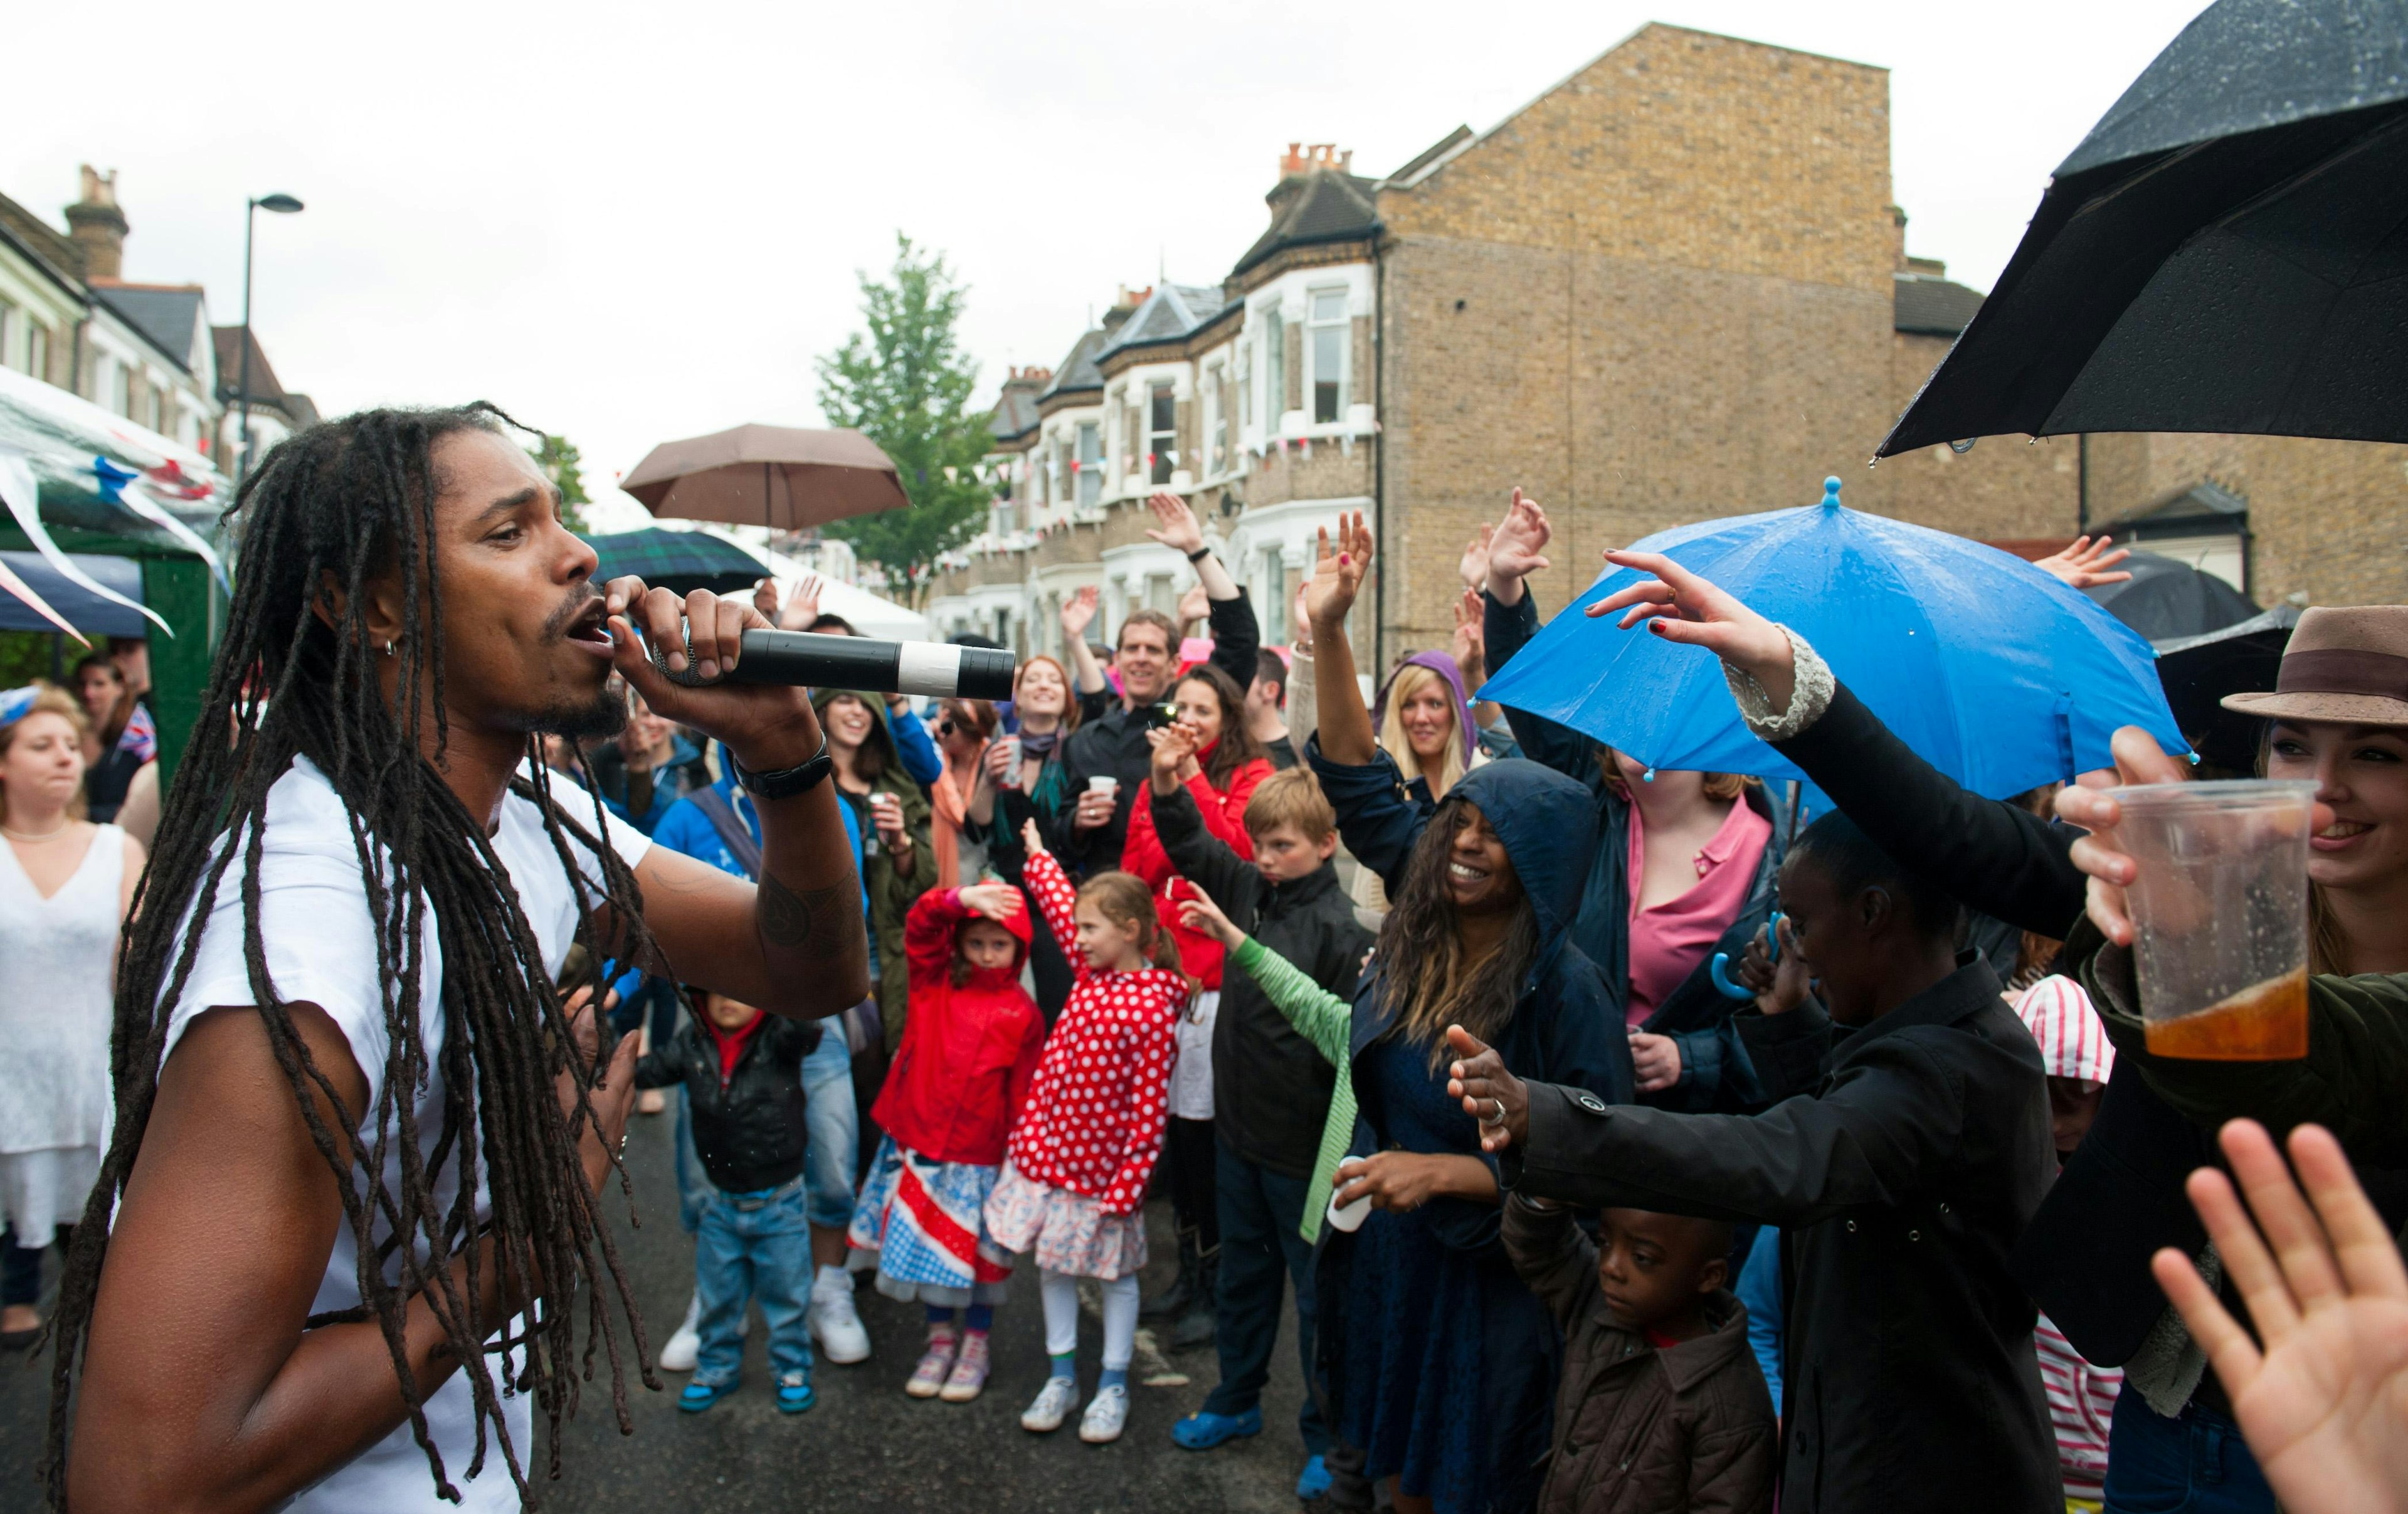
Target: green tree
column 560, row 463
column 905, row 384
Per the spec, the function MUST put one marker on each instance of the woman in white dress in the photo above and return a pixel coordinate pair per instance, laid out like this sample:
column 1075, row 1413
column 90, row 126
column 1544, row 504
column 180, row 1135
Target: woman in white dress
column 64, row 887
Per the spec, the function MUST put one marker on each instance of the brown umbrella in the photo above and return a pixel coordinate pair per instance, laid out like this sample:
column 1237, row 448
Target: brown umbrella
column 767, row 475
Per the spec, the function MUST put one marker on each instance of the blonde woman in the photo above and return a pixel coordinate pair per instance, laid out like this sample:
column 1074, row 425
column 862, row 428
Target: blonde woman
column 64, row 887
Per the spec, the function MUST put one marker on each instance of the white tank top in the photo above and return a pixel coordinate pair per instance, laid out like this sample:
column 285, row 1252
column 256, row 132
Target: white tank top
column 56, row 957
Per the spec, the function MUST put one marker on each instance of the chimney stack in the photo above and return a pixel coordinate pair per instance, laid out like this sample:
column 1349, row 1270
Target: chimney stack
column 1301, row 159
column 97, row 227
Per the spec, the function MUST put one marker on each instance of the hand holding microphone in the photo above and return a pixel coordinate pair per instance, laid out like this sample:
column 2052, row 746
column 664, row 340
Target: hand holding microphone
column 697, row 640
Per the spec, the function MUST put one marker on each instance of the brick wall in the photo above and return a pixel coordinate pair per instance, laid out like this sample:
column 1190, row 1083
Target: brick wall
column 1663, row 291
column 2328, row 519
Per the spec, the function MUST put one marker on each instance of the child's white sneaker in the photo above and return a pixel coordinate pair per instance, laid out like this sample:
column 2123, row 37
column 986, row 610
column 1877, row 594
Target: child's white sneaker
column 1052, row 1404
column 835, row 1323
column 1107, row 1413
column 683, row 1348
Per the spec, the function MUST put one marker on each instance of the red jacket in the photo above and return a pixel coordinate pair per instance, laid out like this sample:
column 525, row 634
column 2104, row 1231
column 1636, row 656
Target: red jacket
column 1096, row 1116
column 969, row 1053
column 1225, row 817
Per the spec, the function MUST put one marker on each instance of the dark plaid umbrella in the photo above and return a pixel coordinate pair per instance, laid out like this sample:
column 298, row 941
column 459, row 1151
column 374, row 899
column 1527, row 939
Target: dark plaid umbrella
column 2227, row 251
column 681, row 561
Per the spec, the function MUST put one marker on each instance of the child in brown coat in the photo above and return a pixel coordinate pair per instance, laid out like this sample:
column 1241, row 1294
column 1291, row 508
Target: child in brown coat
column 1662, row 1405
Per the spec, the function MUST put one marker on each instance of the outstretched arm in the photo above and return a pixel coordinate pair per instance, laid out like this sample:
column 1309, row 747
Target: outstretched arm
column 1345, row 722
column 794, row 945
column 1057, row 898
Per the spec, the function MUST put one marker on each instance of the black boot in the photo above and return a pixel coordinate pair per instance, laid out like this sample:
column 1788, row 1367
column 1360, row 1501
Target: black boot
column 1196, row 1322
column 1173, row 1301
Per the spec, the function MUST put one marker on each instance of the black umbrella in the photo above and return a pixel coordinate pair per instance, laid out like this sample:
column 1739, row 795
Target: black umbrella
column 2198, row 671
column 2227, row 251
column 2166, row 597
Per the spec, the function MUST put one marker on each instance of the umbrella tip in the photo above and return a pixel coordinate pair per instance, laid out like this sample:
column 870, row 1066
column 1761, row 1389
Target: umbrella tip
column 1832, row 493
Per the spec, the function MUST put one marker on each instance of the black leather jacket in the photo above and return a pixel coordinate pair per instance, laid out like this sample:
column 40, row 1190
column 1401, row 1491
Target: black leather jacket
column 748, row 1128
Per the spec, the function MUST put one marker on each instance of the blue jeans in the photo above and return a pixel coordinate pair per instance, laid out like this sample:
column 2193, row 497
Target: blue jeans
column 829, row 1161
column 2196, row 1465
column 1258, row 1212
column 752, row 1247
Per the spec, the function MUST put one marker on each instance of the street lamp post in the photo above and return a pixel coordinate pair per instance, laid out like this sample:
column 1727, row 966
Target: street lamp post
column 275, row 204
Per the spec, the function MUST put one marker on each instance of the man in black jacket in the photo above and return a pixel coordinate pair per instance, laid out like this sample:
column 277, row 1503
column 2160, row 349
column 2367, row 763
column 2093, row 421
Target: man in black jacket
column 742, row 1072
column 1089, row 835
column 1901, row 1177
column 1270, row 1087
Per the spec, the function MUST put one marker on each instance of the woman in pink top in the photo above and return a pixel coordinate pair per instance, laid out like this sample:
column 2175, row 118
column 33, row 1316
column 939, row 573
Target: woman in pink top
column 1694, row 851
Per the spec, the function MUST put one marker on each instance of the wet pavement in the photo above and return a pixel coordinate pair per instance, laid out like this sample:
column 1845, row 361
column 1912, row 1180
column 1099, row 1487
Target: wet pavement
column 864, row 1445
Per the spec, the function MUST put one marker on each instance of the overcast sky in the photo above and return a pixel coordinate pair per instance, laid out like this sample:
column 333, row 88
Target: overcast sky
column 629, row 223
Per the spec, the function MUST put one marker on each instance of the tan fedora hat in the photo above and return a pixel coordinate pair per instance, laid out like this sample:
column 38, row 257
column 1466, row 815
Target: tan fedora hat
column 2348, row 666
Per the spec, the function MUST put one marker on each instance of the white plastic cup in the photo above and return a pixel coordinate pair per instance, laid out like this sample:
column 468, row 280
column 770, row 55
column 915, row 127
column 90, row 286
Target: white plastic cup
column 1349, row 1217
column 1106, row 784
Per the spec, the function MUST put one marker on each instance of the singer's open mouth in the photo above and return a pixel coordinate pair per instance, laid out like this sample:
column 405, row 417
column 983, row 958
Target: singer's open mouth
column 590, row 628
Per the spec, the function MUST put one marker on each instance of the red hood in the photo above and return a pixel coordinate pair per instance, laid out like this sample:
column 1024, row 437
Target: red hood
column 1022, row 933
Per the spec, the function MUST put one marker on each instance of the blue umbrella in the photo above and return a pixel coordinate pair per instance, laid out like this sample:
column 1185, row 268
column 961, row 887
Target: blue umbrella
column 1988, row 668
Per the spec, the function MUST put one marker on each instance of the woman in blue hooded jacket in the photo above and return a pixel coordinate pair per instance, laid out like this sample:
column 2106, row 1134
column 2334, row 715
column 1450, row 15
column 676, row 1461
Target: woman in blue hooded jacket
column 1440, row 1365
column 1686, row 1030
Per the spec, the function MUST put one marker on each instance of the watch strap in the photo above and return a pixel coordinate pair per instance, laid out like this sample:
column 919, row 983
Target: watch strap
column 786, row 782
column 1199, row 554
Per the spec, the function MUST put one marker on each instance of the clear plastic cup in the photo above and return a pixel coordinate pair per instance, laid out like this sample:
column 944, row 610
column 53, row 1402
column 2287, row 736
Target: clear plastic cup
column 2220, row 916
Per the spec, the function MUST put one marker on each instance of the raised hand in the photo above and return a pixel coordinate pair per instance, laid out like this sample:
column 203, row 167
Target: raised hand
column 765, row 599
column 1782, row 986
column 1178, row 529
column 1337, row 574
column 1517, row 548
column 992, row 901
column 1173, row 747
column 1078, row 613
column 1193, row 605
column 2085, row 562
column 1680, row 606
column 1474, row 566
column 1030, row 841
column 1201, row 913
column 1299, row 622
column 1490, row 1092
column 1469, row 644
column 2324, row 1401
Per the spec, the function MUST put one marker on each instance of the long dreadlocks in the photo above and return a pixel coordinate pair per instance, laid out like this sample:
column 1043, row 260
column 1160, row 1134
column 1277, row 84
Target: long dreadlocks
column 344, row 501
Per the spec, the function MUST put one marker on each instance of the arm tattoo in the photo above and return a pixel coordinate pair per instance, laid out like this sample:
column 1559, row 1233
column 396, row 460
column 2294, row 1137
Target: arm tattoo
column 811, row 923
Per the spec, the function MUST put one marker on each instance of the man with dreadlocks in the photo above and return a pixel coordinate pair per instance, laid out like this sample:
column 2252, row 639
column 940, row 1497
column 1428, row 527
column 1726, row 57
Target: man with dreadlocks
column 361, row 1134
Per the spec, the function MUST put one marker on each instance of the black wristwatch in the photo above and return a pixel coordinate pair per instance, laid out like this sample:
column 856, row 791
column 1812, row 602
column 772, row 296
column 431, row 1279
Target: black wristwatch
column 1199, row 554
column 786, row 782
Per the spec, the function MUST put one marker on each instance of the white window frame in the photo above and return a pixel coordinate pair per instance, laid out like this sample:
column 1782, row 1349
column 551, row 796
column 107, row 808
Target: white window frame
column 1343, row 327
column 1216, row 426
column 1161, row 441
column 1274, row 370
column 1090, row 494
column 1245, row 372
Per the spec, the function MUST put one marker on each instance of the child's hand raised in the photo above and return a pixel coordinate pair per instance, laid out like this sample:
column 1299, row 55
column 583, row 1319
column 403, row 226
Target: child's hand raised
column 1201, row 913
column 1033, row 843
column 991, row 901
column 1173, row 745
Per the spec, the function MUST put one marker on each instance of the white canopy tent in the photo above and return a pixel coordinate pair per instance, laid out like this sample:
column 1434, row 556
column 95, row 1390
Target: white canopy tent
column 869, row 613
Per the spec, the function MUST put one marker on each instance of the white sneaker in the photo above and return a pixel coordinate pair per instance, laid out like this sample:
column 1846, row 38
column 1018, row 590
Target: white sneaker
column 837, row 1325
column 1052, row 1404
column 684, row 1347
column 1106, row 1412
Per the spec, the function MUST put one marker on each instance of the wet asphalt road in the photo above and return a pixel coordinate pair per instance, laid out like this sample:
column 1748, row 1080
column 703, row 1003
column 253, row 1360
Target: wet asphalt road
column 864, row 1445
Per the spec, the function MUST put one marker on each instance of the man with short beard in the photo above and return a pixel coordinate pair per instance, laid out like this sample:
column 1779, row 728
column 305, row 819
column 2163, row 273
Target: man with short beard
column 1090, row 833
column 362, row 1127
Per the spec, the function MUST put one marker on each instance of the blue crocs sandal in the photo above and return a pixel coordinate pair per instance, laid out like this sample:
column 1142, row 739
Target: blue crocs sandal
column 1314, row 1481
column 699, row 1396
column 794, row 1393
column 1201, row 1432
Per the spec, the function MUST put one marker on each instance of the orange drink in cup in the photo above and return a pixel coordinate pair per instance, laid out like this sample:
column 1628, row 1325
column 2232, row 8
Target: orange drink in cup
column 2219, row 916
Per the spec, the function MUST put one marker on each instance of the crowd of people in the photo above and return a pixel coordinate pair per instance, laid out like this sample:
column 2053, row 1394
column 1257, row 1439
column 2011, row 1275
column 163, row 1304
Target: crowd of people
column 1332, row 964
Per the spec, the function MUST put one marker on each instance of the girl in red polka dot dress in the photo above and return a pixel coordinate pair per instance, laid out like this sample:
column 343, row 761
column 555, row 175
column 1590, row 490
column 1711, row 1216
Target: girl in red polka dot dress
column 1074, row 1175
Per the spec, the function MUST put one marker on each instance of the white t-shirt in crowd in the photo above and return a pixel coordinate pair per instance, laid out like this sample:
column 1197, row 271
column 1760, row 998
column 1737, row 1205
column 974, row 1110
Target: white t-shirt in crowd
column 321, row 948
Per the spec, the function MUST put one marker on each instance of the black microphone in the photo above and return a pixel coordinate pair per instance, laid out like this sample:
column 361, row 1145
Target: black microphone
column 802, row 658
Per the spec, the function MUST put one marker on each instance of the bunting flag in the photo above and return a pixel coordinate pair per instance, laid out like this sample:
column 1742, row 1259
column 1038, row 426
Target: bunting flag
column 22, row 590
column 120, row 486
column 21, row 495
column 1307, row 448
column 1173, row 456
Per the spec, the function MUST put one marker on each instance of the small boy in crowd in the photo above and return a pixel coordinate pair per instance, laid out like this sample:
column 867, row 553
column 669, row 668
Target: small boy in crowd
column 1661, row 1406
column 742, row 1072
column 1270, row 1087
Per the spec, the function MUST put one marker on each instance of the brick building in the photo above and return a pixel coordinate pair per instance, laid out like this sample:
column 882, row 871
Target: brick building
column 1673, row 286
